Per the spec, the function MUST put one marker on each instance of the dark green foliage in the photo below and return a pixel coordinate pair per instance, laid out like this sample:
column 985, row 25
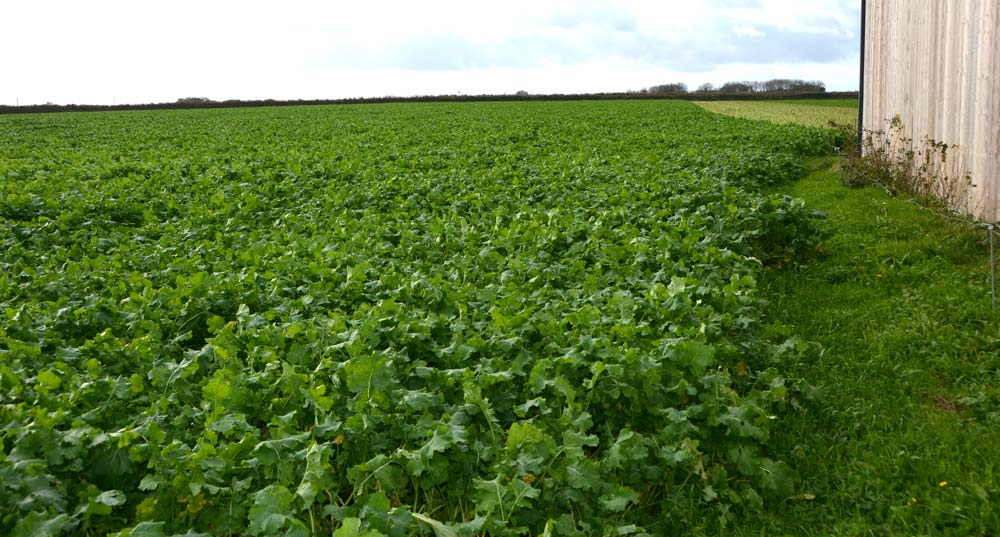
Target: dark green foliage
column 460, row 319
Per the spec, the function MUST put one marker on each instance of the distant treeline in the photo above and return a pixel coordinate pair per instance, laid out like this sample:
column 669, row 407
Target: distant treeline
column 199, row 102
column 775, row 85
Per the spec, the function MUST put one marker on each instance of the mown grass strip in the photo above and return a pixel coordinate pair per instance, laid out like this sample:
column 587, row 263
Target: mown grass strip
column 904, row 436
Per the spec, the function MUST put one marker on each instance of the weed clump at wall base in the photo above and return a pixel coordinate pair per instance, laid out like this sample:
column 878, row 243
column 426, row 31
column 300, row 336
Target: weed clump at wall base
column 888, row 160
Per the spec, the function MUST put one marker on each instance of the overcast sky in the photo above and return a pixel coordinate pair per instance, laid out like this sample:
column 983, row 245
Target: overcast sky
column 104, row 52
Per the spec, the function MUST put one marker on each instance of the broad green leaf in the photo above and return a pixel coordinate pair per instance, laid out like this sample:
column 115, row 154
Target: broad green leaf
column 440, row 530
column 271, row 512
column 694, row 355
column 316, row 477
column 619, row 499
column 39, row 524
column 351, row 527
column 584, row 474
column 776, row 477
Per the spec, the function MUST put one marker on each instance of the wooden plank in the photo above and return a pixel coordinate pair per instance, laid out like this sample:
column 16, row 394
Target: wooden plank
column 967, row 112
column 987, row 116
column 994, row 164
column 936, row 64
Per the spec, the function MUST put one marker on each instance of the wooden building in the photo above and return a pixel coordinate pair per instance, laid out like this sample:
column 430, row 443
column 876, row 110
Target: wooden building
column 935, row 66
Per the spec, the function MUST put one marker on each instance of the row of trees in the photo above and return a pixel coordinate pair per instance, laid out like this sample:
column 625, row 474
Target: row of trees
column 776, row 85
column 675, row 91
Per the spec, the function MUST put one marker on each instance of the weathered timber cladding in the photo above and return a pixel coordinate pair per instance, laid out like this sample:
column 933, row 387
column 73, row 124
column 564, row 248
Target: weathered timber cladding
column 936, row 65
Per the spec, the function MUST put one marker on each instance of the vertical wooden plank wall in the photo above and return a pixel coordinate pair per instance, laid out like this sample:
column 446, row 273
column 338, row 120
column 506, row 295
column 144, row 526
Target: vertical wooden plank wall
column 936, row 65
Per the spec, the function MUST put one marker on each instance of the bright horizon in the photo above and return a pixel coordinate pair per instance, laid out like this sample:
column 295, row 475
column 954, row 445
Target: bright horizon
column 118, row 52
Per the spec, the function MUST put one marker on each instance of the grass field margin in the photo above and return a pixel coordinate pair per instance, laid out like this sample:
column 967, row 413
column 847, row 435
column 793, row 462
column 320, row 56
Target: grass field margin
column 903, row 434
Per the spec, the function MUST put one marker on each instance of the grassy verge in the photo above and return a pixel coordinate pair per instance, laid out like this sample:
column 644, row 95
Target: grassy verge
column 904, row 436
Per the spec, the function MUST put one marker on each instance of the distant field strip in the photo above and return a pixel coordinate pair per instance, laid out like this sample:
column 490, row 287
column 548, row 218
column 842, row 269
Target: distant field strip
column 836, row 103
column 811, row 114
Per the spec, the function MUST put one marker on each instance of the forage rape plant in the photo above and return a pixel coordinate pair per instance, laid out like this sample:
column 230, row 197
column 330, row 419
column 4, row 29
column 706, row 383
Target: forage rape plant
column 495, row 318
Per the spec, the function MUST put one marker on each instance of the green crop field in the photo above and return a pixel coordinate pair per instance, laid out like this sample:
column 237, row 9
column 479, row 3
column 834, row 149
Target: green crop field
column 576, row 318
column 501, row 319
column 813, row 112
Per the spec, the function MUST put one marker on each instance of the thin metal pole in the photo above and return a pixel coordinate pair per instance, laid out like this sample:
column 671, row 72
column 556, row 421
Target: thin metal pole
column 993, row 271
column 861, row 78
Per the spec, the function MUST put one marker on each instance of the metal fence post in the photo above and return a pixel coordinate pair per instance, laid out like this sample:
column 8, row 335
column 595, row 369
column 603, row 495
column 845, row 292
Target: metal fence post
column 993, row 272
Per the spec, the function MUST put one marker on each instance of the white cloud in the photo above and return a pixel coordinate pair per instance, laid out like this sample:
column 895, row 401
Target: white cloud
column 748, row 30
column 125, row 51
